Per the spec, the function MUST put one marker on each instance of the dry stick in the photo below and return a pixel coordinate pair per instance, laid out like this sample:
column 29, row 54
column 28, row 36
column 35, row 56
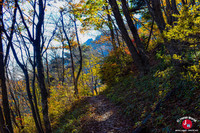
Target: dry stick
column 150, row 34
column 169, row 94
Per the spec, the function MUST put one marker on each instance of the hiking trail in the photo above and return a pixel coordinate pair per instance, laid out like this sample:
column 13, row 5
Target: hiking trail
column 104, row 117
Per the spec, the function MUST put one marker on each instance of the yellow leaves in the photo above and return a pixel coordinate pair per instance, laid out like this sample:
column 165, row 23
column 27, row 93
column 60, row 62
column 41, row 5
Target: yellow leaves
column 162, row 74
column 87, row 12
column 193, row 46
column 191, row 76
column 166, row 57
column 176, row 57
column 194, row 68
column 73, row 45
column 188, row 24
column 160, row 93
column 103, row 39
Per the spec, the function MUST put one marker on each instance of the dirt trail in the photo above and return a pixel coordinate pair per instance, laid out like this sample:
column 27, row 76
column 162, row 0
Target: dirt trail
column 104, row 117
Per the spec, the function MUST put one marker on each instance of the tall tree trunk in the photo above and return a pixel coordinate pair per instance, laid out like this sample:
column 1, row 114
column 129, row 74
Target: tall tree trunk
column 117, row 35
column 2, row 122
column 71, row 56
column 16, row 105
column 174, row 10
column 139, row 46
column 156, row 13
column 171, row 8
column 6, row 108
column 138, row 61
column 25, row 71
column 47, row 65
column 34, row 93
column 132, row 27
column 150, row 34
column 95, row 86
column 40, row 68
column 192, row 2
column 183, row 2
column 174, row 7
column 81, row 57
column 63, row 64
column 43, row 89
column 110, row 26
column 169, row 12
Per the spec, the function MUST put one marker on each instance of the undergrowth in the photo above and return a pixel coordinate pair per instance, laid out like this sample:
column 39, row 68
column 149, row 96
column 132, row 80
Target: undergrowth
column 70, row 121
column 138, row 97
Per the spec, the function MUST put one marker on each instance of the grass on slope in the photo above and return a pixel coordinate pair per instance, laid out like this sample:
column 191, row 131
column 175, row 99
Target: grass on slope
column 139, row 97
column 70, row 121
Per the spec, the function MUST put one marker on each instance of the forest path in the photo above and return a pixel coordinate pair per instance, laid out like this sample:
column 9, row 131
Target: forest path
column 104, row 117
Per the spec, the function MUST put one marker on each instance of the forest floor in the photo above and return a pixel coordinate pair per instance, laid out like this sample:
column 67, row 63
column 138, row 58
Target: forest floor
column 104, row 117
column 96, row 114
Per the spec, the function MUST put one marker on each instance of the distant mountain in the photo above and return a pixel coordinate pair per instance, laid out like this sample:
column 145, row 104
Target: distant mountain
column 102, row 48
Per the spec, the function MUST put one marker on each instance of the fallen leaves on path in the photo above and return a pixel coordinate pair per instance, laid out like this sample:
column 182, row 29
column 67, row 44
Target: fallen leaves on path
column 104, row 117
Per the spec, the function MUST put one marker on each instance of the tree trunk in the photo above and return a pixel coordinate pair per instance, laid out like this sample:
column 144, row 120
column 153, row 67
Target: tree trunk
column 25, row 71
column 48, row 80
column 174, row 10
column 156, row 13
column 95, row 86
column 183, row 2
column 174, row 7
column 150, row 34
column 6, row 108
column 110, row 26
column 71, row 56
column 40, row 68
column 63, row 64
column 171, row 9
column 117, row 36
column 132, row 27
column 192, row 2
column 16, row 105
column 2, row 122
column 5, row 102
column 169, row 12
column 138, row 61
column 139, row 46
column 43, row 89
column 81, row 57
column 34, row 94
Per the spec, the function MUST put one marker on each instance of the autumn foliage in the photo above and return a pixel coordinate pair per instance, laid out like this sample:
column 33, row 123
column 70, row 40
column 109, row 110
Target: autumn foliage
column 116, row 65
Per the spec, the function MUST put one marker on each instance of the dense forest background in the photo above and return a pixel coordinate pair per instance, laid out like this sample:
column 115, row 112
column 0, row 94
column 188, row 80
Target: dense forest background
column 143, row 55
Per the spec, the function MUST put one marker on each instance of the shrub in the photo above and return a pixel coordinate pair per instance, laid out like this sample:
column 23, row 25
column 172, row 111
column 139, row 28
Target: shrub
column 116, row 65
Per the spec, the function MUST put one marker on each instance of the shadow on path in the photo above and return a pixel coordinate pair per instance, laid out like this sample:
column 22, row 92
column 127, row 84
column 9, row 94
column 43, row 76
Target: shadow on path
column 104, row 117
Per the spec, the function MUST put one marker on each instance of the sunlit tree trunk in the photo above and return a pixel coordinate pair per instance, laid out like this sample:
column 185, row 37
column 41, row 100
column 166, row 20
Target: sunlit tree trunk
column 110, row 26
column 63, row 64
column 81, row 58
column 71, row 56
